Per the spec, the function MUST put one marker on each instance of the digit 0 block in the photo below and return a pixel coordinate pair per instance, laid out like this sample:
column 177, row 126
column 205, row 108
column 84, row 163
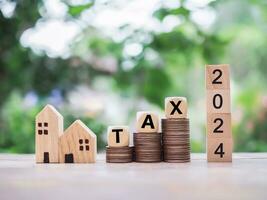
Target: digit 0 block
column 218, row 101
column 219, row 149
column 175, row 107
column 217, row 77
column 118, row 136
column 219, row 125
column 147, row 122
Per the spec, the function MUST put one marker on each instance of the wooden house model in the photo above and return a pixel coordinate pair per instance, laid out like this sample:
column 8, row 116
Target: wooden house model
column 48, row 129
column 77, row 144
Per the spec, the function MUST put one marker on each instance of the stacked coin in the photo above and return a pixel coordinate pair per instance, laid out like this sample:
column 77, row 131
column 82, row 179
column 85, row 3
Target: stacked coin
column 119, row 154
column 176, row 140
column 147, row 147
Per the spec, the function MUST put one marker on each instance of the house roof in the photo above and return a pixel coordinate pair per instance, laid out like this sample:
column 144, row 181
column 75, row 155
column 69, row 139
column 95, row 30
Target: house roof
column 78, row 124
column 49, row 109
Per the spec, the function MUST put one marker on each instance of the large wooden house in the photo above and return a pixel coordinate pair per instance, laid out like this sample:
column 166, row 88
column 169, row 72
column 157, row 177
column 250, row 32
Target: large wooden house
column 48, row 129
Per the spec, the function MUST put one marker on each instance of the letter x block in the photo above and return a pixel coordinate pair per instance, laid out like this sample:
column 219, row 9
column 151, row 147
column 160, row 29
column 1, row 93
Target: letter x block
column 118, row 136
column 175, row 107
column 147, row 122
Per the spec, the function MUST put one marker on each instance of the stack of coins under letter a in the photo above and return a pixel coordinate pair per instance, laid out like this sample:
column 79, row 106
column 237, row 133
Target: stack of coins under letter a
column 118, row 150
column 175, row 131
column 147, row 140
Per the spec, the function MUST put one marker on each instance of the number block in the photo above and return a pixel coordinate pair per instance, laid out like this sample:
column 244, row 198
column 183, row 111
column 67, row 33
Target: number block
column 118, row 136
column 217, row 77
column 218, row 101
column 147, row 122
column 220, row 149
column 175, row 107
column 219, row 125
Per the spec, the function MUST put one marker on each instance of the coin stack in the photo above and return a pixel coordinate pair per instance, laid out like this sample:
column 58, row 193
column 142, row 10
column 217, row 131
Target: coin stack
column 119, row 154
column 147, row 147
column 147, row 140
column 118, row 150
column 176, row 131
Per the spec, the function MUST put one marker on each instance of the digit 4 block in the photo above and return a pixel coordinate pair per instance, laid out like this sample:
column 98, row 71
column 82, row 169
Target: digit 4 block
column 220, row 149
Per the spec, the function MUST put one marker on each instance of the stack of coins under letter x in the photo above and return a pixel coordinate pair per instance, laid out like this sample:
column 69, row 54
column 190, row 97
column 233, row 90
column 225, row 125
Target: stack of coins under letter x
column 118, row 150
column 175, row 131
column 147, row 140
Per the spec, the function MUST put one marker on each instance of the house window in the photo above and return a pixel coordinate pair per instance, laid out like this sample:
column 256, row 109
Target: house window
column 43, row 128
column 84, row 145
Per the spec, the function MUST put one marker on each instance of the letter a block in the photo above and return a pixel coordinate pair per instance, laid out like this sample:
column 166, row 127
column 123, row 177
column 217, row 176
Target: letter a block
column 175, row 107
column 220, row 149
column 118, row 136
column 147, row 122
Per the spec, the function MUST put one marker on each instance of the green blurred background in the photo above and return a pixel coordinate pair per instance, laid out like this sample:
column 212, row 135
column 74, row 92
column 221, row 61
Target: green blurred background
column 102, row 61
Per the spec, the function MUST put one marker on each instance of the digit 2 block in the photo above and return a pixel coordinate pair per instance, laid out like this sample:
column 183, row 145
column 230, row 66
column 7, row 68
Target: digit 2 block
column 219, row 149
column 217, row 77
column 219, row 125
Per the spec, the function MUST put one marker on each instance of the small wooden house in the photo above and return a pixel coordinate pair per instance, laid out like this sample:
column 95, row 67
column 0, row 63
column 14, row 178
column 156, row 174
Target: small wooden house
column 48, row 129
column 77, row 144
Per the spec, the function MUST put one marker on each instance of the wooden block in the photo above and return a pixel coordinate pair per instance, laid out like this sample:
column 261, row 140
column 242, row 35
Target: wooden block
column 77, row 144
column 218, row 101
column 118, row 136
column 220, row 149
column 175, row 107
column 147, row 122
column 48, row 129
column 219, row 125
column 217, row 77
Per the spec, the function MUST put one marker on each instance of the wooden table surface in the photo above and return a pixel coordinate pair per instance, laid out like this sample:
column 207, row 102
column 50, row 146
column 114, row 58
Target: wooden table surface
column 245, row 178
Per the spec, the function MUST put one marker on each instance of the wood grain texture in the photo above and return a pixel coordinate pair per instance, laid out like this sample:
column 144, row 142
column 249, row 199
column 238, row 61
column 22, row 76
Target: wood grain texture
column 244, row 178
column 118, row 136
column 219, row 130
column 149, row 121
column 80, row 142
column 216, row 96
column 174, row 109
column 48, row 129
column 217, row 77
column 212, row 146
column 219, row 125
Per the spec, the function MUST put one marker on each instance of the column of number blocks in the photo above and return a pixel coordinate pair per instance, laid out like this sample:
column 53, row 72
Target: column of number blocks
column 219, row 133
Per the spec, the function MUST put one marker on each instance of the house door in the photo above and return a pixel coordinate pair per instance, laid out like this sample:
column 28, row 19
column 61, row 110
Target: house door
column 46, row 157
column 69, row 158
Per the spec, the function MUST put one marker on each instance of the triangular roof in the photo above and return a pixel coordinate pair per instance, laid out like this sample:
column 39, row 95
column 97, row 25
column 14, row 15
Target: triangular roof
column 49, row 109
column 80, row 124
